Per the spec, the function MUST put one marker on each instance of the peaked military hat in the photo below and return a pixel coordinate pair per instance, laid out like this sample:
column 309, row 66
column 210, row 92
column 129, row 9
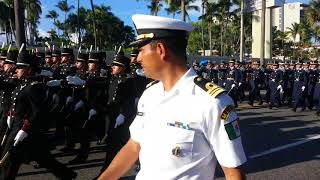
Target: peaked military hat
column 94, row 57
column 48, row 54
column 25, row 59
column 121, row 60
column 11, row 57
column 56, row 53
column 66, row 51
column 3, row 54
column 82, row 57
column 154, row 27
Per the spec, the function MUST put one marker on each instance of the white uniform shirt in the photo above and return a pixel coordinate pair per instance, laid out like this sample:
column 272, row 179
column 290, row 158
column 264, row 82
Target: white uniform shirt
column 181, row 133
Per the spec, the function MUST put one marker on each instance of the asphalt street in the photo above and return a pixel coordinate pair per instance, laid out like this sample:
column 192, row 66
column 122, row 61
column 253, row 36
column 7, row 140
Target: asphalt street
column 280, row 144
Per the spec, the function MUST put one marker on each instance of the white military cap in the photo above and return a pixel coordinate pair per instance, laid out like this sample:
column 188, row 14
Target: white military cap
column 154, row 27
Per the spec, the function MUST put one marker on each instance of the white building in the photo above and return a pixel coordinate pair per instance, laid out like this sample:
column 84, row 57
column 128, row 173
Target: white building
column 290, row 13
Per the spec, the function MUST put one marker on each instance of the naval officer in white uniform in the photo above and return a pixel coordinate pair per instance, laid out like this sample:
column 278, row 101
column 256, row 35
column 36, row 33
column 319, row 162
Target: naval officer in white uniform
column 185, row 125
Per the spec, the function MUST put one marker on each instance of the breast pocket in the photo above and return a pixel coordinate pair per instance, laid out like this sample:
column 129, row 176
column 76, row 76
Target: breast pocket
column 181, row 145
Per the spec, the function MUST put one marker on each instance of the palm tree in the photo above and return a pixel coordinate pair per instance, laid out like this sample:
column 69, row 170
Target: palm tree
column 10, row 13
column 53, row 15
column 33, row 8
column 4, row 19
column 294, row 30
column 313, row 12
column 172, row 9
column 63, row 6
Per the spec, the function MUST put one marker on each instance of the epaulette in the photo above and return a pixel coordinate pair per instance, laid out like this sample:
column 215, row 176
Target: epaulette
column 211, row 88
column 151, row 83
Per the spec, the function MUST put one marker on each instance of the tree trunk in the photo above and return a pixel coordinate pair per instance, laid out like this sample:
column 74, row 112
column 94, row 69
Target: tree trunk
column 19, row 21
column 94, row 25
column 79, row 33
column 183, row 10
column 202, row 28
column 210, row 38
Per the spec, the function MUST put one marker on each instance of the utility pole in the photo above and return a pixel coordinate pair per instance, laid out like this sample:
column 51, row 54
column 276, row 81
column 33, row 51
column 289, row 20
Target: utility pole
column 19, row 22
column 241, row 31
column 263, row 14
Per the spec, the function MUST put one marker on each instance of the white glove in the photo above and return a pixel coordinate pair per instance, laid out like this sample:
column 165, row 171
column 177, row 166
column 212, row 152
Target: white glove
column 224, row 84
column 140, row 72
column 303, row 88
column 233, row 86
column 273, row 80
column 21, row 135
column 75, row 80
column 279, row 87
column 78, row 105
column 69, row 100
column 119, row 120
column 9, row 121
column 53, row 83
column 46, row 73
column 239, row 83
column 92, row 112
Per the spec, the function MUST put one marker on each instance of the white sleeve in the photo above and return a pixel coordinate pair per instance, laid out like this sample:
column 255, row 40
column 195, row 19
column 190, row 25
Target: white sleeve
column 223, row 132
column 136, row 127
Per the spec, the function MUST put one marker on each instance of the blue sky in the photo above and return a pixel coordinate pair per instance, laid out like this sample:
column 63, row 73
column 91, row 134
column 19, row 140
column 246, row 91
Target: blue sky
column 124, row 9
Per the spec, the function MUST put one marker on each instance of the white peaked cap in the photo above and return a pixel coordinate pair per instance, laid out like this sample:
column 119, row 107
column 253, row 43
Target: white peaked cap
column 155, row 27
column 143, row 21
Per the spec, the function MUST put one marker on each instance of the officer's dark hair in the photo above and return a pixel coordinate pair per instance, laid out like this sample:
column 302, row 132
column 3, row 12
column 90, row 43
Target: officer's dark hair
column 177, row 46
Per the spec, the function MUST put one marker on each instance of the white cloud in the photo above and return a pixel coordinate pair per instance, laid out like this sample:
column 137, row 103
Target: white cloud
column 43, row 33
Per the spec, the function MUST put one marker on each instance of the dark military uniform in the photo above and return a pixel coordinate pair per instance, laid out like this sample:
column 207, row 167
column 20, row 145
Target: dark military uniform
column 316, row 95
column 276, row 86
column 256, row 81
column 288, row 80
column 312, row 80
column 28, row 110
column 121, row 101
column 233, row 80
column 300, row 89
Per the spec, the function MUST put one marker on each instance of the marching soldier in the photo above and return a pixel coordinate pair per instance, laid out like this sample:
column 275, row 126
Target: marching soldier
column 299, row 87
column 288, row 80
column 121, row 107
column 275, row 85
column 233, row 80
column 26, row 120
column 256, row 80
column 222, row 75
column 95, row 103
column 312, row 80
column 7, row 84
column 316, row 95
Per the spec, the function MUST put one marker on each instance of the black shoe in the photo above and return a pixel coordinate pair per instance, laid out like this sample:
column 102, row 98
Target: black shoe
column 294, row 109
column 250, row 103
column 260, row 103
column 78, row 160
column 310, row 108
column 318, row 113
column 304, row 108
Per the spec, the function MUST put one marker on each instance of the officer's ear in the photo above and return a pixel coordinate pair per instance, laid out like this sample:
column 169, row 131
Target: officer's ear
column 162, row 50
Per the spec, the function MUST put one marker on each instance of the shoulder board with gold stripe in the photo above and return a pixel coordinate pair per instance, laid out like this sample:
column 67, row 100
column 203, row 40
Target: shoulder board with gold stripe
column 151, row 83
column 211, row 88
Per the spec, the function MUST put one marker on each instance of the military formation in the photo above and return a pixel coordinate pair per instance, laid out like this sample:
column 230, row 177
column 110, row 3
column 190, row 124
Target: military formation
column 74, row 93
column 292, row 84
